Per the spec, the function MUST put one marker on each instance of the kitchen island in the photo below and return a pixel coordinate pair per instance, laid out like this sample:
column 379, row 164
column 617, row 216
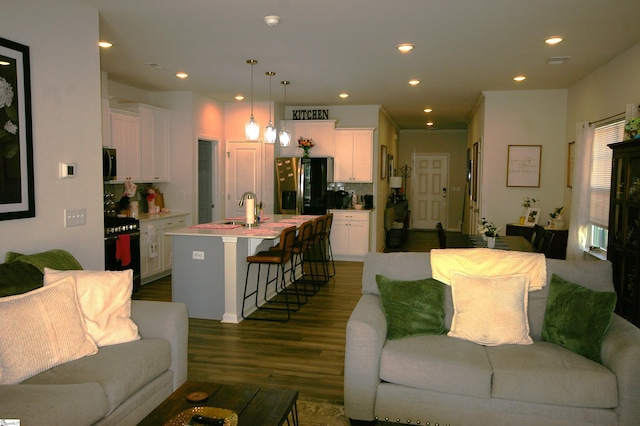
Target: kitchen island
column 209, row 263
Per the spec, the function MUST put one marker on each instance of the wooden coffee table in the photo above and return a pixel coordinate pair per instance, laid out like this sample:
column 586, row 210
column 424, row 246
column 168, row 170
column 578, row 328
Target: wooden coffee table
column 255, row 406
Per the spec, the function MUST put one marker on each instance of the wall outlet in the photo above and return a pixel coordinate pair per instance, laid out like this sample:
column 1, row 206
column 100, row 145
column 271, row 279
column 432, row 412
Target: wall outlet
column 198, row 255
column 75, row 217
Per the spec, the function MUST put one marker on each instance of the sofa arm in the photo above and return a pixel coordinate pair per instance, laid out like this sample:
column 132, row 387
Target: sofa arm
column 621, row 354
column 366, row 334
column 169, row 321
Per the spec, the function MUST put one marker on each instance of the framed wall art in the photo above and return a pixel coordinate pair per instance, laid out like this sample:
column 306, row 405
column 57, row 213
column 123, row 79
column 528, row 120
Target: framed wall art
column 523, row 165
column 384, row 160
column 16, row 144
column 533, row 214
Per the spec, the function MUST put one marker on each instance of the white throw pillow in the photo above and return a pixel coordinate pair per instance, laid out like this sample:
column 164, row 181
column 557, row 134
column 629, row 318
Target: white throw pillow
column 490, row 311
column 105, row 300
column 41, row 329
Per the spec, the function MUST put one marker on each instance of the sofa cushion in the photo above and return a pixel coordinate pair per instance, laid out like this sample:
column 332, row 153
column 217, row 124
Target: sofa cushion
column 56, row 259
column 18, row 278
column 546, row 373
column 438, row 363
column 121, row 369
column 577, row 318
column 79, row 404
column 396, row 266
column 105, row 300
column 490, row 310
column 41, row 329
column 412, row 307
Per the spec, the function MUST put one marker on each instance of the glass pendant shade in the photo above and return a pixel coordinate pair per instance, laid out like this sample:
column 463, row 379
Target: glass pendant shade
column 252, row 129
column 270, row 133
column 285, row 137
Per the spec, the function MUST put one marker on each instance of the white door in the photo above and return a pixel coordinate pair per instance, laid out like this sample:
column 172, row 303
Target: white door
column 244, row 173
column 429, row 195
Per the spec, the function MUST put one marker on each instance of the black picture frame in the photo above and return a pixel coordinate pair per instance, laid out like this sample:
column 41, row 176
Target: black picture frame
column 17, row 200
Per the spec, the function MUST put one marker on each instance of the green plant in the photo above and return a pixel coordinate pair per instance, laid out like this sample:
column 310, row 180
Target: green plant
column 528, row 202
column 556, row 212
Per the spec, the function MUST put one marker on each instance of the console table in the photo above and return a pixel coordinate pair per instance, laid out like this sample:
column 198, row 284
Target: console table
column 558, row 249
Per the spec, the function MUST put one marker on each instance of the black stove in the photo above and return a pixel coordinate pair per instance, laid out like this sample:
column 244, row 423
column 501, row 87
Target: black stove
column 114, row 225
column 115, row 228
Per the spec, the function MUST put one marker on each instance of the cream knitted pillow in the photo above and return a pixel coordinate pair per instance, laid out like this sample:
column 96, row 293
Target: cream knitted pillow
column 490, row 311
column 41, row 329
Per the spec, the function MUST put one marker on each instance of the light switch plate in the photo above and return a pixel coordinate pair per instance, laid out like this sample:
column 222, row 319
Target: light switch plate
column 75, row 217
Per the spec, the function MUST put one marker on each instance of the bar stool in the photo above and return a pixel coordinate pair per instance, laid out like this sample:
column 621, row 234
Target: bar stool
column 277, row 258
column 300, row 247
column 314, row 257
column 327, row 242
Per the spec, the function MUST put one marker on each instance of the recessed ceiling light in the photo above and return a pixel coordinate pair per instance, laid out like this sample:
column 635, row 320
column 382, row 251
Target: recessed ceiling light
column 414, row 82
column 272, row 20
column 428, row 110
column 182, row 75
column 239, row 98
column 429, row 123
column 405, row 47
column 105, row 44
column 344, row 95
column 520, row 78
column 553, row 40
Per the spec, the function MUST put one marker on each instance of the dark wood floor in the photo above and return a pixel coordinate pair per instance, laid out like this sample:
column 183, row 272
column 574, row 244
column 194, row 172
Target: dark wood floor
column 306, row 353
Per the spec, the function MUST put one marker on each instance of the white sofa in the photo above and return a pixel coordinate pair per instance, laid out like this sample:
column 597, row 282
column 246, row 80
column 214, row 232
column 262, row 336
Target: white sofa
column 437, row 379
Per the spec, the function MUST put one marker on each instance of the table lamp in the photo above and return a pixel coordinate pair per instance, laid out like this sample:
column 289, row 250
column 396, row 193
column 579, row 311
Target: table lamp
column 395, row 182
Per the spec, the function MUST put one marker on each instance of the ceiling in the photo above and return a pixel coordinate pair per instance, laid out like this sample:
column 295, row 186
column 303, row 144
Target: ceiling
column 325, row 47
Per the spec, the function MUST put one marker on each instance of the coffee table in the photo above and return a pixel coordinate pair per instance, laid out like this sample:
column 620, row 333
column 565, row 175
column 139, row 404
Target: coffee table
column 255, row 406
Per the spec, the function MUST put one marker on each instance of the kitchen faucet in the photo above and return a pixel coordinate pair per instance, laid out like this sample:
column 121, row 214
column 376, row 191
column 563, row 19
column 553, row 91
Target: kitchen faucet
column 247, row 194
column 251, row 208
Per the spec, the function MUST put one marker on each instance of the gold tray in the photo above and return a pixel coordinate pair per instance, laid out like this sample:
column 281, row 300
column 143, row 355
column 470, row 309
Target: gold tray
column 230, row 417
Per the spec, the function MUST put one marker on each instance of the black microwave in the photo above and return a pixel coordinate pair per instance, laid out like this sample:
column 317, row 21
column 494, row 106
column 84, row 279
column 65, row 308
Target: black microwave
column 109, row 171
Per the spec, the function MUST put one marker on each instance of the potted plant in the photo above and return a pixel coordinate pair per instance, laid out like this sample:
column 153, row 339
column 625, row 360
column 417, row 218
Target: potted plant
column 557, row 217
column 489, row 231
column 632, row 128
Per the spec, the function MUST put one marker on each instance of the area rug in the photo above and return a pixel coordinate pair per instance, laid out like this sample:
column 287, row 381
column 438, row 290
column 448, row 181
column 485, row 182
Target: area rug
column 321, row 413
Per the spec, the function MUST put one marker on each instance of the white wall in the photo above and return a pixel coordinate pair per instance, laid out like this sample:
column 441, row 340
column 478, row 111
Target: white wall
column 523, row 117
column 65, row 94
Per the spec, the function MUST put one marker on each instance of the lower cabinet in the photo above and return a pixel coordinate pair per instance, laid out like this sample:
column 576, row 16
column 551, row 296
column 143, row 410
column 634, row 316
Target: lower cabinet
column 350, row 234
column 155, row 246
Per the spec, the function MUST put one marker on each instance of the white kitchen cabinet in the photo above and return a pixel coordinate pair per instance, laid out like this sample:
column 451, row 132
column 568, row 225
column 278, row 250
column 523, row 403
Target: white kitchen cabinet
column 155, row 246
column 353, row 155
column 320, row 131
column 154, row 141
column 125, row 138
column 350, row 234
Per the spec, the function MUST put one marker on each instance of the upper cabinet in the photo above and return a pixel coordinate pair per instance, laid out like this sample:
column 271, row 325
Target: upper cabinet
column 353, row 152
column 320, row 131
column 140, row 133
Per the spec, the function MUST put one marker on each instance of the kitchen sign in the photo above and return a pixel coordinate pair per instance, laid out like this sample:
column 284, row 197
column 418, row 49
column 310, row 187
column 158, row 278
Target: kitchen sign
column 310, row 114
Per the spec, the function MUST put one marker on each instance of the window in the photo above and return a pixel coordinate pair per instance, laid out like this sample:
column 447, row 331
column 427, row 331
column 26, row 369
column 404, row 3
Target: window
column 601, row 182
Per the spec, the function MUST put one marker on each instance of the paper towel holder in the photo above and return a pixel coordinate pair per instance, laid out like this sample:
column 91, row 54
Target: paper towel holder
column 250, row 208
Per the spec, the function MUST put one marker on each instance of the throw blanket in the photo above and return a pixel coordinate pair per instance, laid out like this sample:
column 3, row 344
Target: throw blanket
column 489, row 262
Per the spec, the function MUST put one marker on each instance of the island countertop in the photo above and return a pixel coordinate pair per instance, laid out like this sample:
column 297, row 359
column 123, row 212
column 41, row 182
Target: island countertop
column 270, row 228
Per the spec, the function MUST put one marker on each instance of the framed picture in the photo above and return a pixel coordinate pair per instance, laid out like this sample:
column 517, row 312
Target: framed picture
column 383, row 162
column 533, row 214
column 391, row 166
column 16, row 145
column 523, row 165
column 570, row 161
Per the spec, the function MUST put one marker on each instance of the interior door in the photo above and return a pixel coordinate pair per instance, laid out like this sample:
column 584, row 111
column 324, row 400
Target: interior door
column 429, row 194
column 206, row 181
column 244, row 173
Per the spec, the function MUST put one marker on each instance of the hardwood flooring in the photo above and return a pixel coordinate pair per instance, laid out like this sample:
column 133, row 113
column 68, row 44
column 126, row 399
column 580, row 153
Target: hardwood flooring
column 306, row 353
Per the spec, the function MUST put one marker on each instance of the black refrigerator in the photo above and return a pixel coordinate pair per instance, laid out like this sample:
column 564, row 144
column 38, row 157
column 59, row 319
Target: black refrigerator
column 302, row 184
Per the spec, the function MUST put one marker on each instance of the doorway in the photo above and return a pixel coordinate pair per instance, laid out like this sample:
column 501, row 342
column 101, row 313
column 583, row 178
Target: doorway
column 207, row 184
column 430, row 180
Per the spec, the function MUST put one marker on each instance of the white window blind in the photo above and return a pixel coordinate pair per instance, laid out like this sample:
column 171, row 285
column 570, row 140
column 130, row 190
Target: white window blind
column 601, row 171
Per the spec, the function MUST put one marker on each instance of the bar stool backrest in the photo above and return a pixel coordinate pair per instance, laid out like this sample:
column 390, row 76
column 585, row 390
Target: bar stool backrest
column 318, row 228
column 287, row 240
column 305, row 234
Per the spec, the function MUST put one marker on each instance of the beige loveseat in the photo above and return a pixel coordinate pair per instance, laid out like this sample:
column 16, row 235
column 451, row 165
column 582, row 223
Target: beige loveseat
column 438, row 379
column 118, row 385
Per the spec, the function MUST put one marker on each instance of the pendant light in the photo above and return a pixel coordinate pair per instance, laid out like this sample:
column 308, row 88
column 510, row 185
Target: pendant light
column 270, row 131
column 252, row 127
column 285, row 135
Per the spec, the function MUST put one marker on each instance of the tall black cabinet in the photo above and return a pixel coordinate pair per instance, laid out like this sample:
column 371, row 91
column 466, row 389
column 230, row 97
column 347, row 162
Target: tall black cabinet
column 624, row 227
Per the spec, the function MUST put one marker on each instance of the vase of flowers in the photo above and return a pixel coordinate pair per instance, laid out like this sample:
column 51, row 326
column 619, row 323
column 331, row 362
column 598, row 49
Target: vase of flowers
column 306, row 145
column 489, row 232
column 632, row 128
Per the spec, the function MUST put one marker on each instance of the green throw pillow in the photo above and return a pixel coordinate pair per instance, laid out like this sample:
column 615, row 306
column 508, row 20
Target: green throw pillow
column 58, row 259
column 18, row 278
column 412, row 307
column 576, row 317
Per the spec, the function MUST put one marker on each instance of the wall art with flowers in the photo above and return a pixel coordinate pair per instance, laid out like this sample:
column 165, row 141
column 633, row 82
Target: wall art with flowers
column 16, row 144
